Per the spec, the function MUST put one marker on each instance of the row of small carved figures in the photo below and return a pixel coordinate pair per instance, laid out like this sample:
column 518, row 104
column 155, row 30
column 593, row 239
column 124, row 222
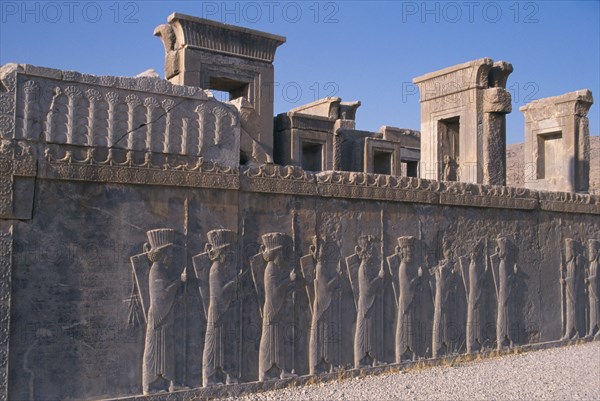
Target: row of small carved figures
column 269, row 276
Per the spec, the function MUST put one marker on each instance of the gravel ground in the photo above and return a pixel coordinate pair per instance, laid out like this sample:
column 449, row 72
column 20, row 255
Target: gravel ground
column 568, row 373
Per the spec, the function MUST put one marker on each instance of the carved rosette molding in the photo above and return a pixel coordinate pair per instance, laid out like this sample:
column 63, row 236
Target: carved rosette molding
column 278, row 179
column 5, row 288
column 7, row 105
column 6, row 183
column 15, row 160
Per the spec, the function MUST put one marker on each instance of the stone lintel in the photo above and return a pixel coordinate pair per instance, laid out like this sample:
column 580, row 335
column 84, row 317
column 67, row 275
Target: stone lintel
column 200, row 33
column 454, row 79
column 326, row 107
column 304, row 121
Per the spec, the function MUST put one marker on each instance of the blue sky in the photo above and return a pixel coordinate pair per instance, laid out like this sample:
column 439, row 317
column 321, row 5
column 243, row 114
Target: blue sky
column 358, row 50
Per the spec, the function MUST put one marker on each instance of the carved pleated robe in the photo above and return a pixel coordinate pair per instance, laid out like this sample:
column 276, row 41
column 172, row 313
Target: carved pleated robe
column 159, row 351
column 475, row 320
column 505, row 279
column 325, row 322
column 405, row 328
column 219, row 353
column 271, row 339
column 594, row 322
column 367, row 316
column 441, row 313
column 571, row 291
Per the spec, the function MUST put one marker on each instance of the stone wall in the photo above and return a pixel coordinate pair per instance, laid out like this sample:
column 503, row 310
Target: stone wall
column 72, row 333
column 363, row 269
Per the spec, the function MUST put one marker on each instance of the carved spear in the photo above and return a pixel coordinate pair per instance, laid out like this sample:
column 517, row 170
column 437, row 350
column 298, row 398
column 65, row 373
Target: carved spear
column 185, row 270
column 240, row 264
column 294, row 216
column 562, row 285
column 487, row 266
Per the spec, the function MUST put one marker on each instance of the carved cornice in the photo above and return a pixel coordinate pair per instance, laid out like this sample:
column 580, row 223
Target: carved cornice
column 569, row 202
column 278, row 179
column 98, row 165
column 378, row 187
column 198, row 174
column 210, row 35
column 477, row 195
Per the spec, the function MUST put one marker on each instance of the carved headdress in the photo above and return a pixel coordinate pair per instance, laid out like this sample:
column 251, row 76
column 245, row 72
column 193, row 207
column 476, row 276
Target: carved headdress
column 406, row 241
column 158, row 241
column 161, row 238
column 221, row 238
column 502, row 242
column 273, row 241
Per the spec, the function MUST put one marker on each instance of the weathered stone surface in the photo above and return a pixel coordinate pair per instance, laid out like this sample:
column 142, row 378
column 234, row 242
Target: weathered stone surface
column 557, row 144
column 137, row 114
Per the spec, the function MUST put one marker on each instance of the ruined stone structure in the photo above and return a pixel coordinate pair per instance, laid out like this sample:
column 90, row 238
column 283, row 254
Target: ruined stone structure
column 211, row 55
column 149, row 244
column 322, row 135
column 463, row 126
column 557, row 142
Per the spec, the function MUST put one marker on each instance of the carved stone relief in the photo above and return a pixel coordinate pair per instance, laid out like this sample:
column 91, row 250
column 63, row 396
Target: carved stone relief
column 592, row 287
column 406, row 277
column 321, row 269
column 504, row 270
column 366, row 275
column 443, row 281
column 572, row 288
column 117, row 155
column 127, row 116
column 162, row 282
column 273, row 282
column 473, row 270
column 217, row 276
